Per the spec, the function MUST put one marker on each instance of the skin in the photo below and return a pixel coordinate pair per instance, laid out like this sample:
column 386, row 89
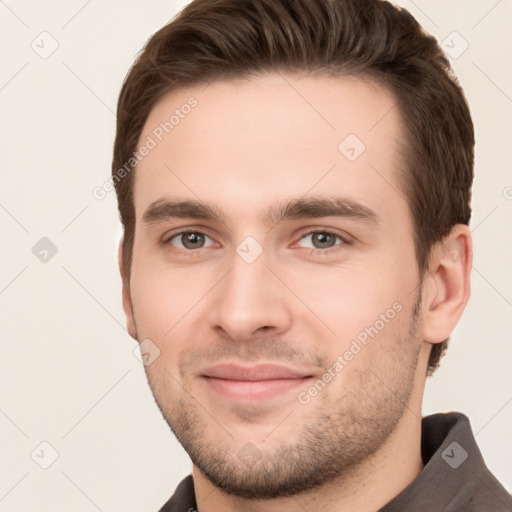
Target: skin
column 248, row 145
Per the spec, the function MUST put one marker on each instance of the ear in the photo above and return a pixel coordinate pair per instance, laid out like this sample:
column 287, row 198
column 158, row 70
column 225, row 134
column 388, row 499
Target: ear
column 127, row 300
column 447, row 286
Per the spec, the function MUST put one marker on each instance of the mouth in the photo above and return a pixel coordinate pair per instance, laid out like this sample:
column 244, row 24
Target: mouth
column 253, row 383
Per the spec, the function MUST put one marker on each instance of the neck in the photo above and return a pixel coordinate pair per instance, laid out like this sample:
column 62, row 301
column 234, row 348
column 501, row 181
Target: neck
column 367, row 487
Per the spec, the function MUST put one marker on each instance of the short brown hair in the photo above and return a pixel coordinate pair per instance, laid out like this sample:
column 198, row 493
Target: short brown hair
column 229, row 39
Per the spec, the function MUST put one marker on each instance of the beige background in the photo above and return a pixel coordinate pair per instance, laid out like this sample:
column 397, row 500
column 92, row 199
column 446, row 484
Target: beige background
column 68, row 373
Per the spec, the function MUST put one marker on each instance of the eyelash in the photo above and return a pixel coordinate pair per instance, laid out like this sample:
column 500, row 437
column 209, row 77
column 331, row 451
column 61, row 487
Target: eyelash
column 312, row 251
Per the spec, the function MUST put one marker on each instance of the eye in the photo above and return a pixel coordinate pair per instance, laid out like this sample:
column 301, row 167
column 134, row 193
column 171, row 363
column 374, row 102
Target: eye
column 189, row 240
column 323, row 239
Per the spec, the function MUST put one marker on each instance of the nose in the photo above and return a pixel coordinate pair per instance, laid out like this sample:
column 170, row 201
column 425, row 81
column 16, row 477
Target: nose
column 250, row 300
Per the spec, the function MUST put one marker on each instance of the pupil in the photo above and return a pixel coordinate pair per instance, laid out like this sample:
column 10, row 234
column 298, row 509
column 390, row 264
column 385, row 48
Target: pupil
column 191, row 239
column 323, row 238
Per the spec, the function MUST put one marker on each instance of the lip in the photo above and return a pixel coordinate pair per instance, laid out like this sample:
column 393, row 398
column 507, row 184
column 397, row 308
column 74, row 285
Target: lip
column 259, row 372
column 253, row 383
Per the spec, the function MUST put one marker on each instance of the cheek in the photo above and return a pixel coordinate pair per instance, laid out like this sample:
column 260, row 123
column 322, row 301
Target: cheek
column 163, row 299
column 349, row 299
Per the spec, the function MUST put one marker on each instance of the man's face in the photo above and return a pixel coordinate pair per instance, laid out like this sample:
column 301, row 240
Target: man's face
column 288, row 345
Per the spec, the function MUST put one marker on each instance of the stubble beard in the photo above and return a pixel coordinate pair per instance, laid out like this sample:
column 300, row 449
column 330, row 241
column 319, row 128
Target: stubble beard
column 340, row 435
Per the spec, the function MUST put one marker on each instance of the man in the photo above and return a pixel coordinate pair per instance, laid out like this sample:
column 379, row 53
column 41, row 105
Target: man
column 294, row 181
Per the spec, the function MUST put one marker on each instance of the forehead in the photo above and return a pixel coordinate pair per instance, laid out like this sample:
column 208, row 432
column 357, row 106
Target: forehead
column 245, row 144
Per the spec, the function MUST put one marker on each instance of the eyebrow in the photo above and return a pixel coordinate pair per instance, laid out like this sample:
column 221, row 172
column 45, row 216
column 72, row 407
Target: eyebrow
column 299, row 208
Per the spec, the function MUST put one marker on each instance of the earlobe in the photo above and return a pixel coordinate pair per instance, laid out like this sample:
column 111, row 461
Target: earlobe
column 447, row 287
column 127, row 301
